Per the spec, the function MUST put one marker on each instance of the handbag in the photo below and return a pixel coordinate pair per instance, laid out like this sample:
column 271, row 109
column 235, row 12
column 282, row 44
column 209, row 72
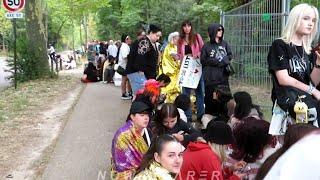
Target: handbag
column 229, row 70
column 119, row 69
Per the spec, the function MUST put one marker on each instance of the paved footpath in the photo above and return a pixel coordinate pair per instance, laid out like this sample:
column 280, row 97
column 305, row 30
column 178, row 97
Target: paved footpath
column 83, row 149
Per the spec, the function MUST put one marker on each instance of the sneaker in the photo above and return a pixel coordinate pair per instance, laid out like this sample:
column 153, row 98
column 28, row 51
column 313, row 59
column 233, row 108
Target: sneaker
column 129, row 94
column 125, row 97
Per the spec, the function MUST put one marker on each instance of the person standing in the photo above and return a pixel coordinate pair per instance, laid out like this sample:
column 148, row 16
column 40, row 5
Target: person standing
column 170, row 66
column 123, row 59
column 294, row 68
column 215, row 56
column 145, row 61
column 190, row 43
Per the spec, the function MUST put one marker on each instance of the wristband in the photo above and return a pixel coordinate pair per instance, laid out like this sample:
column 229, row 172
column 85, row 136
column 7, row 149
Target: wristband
column 310, row 89
column 317, row 66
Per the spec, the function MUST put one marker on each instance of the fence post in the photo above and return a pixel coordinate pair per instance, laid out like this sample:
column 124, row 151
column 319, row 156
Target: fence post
column 222, row 18
column 285, row 9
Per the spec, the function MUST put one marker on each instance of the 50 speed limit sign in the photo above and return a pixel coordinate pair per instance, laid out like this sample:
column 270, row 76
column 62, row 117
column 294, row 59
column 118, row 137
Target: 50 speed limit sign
column 13, row 5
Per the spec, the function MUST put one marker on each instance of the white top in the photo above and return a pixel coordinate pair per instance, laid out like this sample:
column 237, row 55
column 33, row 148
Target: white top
column 113, row 50
column 301, row 161
column 123, row 54
column 182, row 115
column 51, row 50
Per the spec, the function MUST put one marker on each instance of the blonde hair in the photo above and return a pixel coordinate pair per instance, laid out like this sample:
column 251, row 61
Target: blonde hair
column 293, row 24
column 172, row 35
column 219, row 150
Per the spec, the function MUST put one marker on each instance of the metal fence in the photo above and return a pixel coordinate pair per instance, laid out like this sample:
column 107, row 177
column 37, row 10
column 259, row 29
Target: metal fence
column 250, row 29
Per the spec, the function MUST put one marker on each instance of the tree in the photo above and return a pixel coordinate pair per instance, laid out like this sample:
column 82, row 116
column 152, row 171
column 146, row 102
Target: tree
column 36, row 37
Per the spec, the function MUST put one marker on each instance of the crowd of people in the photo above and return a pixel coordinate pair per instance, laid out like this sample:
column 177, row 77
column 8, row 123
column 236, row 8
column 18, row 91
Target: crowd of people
column 158, row 140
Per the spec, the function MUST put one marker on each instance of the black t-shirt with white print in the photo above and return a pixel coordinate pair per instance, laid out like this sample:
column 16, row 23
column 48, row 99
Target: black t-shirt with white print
column 293, row 58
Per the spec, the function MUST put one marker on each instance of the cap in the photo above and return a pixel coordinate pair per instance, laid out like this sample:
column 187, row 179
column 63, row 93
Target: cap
column 219, row 132
column 138, row 107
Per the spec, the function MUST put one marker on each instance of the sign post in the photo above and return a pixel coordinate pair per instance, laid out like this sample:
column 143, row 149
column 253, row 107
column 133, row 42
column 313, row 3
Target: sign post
column 13, row 8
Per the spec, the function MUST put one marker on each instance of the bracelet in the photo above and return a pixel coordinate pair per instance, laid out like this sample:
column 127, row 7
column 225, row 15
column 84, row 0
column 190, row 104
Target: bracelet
column 310, row 89
column 317, row 66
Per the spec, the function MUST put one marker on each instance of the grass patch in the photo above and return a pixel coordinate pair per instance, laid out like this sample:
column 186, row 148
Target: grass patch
column 260, row 96
column 33, row 95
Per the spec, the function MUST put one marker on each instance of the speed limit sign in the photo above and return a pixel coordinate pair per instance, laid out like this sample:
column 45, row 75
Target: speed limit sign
column 13, row 5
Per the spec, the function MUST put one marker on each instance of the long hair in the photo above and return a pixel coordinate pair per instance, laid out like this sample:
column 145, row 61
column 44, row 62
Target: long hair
column 294, row 19
column 292, row 135
column 168, row 110
column 157, row 146
column 219, row 150
column 192, row 35
column 251, row 138
column 243, row 104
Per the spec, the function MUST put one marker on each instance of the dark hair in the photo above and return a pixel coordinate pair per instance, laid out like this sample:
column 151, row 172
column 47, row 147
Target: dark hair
column 154, row 28
column 251, row 137
column 243, row 104
column 124, row 37
column 192, row 36
column 163, row 77
column 157, row 146
column 183, row 102
column 293, row 134
column 167, row 110
column 91, row 66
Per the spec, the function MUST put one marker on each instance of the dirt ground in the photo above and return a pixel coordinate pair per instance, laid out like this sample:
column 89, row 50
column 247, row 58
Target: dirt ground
column 30, row 121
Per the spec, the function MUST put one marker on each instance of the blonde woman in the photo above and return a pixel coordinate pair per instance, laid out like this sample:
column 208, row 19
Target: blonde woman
column 170, row 66
column 295, row 69
column 204, row 159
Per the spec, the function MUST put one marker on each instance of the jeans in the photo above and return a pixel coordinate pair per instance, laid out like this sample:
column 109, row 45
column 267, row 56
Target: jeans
column 137, row 80
column 200, row 99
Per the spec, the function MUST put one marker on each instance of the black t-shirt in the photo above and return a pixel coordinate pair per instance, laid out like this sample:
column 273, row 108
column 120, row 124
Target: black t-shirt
column 291, row 57
column 187, row 49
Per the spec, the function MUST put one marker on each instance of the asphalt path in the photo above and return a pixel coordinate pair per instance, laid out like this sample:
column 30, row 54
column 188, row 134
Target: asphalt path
column 83, row 149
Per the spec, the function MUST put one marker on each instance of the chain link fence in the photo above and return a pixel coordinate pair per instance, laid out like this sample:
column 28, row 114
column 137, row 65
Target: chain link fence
column 250, row 29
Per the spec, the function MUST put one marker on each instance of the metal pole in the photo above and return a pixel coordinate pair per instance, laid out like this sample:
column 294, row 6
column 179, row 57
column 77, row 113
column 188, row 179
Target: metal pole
column 15, row 51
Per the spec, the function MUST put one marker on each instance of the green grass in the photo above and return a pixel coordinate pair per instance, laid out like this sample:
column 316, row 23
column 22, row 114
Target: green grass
column 33, row 95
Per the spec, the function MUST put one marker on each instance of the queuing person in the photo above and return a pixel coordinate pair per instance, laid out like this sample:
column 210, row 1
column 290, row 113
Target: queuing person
column 130, row 142
column 253, row 145
column 122, row 62
column 190, row 43
column 292, row 135
column 90, row 74
column 182, row 103
column 243, row 107
column 170, row 66
column 162, row 161
column 146, row 59
column 216, row 55
column 294, row 68
column 167, row 121
column 204, row 159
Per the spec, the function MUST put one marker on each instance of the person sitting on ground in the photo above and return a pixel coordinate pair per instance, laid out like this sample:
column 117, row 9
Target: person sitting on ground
column 163, row 80
column 167, row 121
column 130, row 142
column 182, row 103
column 89, row 74
column 243, row 107
column 253, row 144
column 299, row 162
column 149, row 94
column 204, row 158
column 162, row 161
column 293, row 134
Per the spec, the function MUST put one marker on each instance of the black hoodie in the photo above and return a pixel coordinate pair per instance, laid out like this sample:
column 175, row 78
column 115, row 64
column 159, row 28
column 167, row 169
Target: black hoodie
column 215, row 56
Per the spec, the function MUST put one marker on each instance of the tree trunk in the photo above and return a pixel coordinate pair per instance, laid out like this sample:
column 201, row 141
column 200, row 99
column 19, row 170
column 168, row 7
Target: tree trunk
column 37, row 37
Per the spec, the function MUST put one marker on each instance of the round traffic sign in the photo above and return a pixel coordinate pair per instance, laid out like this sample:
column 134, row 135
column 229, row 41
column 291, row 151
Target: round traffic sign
column 13, row 5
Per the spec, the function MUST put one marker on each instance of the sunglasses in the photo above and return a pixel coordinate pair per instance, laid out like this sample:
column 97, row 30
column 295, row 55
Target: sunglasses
column 220, row 29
